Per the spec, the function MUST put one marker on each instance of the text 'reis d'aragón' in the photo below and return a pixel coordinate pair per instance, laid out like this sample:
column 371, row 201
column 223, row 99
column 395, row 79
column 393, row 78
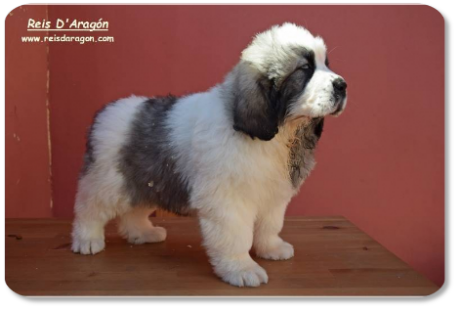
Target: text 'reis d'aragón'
column 68, row 24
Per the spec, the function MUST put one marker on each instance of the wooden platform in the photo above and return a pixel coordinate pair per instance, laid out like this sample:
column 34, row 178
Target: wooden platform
column 332, row 257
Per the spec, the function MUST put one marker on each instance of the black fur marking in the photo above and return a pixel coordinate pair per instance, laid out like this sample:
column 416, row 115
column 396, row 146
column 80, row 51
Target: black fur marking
column 305, row 139
column 254, row 105
column 147, row 161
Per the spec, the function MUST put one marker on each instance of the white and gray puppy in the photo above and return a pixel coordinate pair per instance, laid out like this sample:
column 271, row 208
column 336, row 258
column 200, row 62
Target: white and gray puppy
column 235, row 155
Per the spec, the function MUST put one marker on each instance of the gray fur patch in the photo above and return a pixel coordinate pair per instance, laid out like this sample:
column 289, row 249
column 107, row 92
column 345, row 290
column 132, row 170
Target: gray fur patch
column 147, row 161
column 302, row 146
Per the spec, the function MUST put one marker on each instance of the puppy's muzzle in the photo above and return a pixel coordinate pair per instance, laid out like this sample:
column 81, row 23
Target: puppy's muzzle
column 340, row 94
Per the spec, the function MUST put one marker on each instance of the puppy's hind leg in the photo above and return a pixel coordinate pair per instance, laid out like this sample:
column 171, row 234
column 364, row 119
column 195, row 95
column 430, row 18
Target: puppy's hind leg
column 136, row 227
column 90, row 220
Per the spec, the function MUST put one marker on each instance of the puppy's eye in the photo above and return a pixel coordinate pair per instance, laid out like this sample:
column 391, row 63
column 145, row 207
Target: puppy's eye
column 305, row 66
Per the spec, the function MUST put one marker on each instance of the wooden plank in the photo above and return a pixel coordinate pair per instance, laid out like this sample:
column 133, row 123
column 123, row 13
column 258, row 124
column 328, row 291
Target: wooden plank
column 332, row 257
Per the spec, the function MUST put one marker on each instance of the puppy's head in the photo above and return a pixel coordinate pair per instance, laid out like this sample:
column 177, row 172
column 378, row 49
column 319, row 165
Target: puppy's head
column 284, row 75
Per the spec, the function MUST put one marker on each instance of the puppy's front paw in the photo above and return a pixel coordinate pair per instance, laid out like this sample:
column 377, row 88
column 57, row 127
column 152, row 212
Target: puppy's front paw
column 87, row 246
column 281, row 251
column 242, row 274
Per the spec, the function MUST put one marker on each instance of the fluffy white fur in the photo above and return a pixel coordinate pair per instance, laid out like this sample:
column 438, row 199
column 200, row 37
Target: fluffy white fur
column 240, row 187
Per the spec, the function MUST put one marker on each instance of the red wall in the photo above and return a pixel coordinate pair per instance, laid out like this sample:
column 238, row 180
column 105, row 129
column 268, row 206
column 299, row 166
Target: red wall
column 381, row 164
column 27, row 176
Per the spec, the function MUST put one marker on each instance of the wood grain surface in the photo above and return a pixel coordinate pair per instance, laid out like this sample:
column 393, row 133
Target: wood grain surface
column 332, row 258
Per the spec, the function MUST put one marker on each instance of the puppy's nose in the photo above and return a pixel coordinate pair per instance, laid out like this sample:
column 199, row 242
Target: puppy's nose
column 339, row 85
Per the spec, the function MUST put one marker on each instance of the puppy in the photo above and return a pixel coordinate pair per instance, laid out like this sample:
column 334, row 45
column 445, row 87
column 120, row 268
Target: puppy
column 235, row 155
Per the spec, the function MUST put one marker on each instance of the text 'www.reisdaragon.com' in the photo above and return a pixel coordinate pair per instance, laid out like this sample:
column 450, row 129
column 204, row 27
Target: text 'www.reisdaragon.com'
column 66, row 38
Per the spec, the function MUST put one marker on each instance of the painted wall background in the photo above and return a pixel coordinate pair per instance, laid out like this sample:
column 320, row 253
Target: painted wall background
column 27, row 158
column 381, row 164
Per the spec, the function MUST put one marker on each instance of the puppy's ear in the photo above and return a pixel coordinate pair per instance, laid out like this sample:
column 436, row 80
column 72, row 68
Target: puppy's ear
column 254, row 111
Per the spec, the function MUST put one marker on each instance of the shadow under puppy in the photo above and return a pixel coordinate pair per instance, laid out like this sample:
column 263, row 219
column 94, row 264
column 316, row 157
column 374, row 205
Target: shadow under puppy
column 235, row 155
